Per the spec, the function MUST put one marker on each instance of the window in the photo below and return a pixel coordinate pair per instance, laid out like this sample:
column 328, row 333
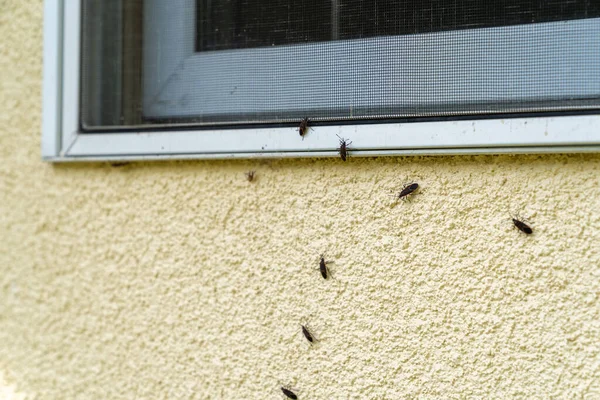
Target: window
column 233, row 78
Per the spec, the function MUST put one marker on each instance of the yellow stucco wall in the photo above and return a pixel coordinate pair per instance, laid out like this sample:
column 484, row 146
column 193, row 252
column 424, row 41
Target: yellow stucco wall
column 182, row 280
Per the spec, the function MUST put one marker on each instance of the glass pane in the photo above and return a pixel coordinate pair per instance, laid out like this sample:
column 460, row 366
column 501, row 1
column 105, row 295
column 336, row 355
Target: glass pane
column 111, row 68
column 246, row 24
column 360, row 19
column 237, row 62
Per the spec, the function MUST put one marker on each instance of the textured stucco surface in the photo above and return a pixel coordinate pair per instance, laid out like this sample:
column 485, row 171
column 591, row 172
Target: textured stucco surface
column 183, row 280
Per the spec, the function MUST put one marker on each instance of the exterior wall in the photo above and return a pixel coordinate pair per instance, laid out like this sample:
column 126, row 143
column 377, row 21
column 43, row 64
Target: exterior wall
column 183, row 280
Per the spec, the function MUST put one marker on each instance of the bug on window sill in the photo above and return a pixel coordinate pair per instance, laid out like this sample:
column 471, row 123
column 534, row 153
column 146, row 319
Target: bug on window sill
column 304, row 128
column 344, row 148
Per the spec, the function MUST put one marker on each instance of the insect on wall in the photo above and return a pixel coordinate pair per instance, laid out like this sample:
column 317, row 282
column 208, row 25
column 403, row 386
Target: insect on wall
column 307, row 334
column 323, row 267
column 408, row 190
column 522, row 226
column 288, row 393
column 250, row 175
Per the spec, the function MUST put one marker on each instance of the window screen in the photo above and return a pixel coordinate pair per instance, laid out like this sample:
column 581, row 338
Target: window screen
column 237, row 62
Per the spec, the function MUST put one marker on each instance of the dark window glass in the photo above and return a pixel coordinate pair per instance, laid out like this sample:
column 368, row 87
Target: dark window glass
column 162, row 63
column 241, row 24
column 233, row 24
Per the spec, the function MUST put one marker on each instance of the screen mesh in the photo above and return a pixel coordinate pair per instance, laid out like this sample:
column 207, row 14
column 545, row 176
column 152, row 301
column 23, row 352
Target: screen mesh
column 236, row 62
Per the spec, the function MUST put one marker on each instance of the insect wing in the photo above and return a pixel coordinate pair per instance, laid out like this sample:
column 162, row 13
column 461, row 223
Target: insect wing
column 323, row 268
column 522, row 226
column 289, row 394
column 307, row 334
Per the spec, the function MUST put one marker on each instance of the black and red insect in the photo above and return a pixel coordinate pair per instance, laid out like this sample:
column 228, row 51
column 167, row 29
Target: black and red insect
column 250, row 175
column 289, row 394
column 522, row 226
column 408, row 190
column 344, row 147
column 303, row 128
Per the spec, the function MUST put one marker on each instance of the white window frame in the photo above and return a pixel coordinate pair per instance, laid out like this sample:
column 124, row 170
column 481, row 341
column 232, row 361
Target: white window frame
column 63, row 140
